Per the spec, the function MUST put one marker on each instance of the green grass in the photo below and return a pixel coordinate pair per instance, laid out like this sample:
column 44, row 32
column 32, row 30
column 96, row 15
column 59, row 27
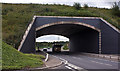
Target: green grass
column 12, row 59
column 16, row 17
column 65, row 47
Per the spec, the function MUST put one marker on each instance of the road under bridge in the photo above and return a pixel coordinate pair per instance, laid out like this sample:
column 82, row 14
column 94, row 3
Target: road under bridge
column 86, row 34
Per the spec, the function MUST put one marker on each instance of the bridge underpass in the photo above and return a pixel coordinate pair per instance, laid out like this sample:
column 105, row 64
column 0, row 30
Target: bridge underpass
column 91, row 34
column 82, row 38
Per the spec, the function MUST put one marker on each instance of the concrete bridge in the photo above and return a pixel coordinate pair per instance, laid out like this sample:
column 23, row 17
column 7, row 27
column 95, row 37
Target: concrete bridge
column 86, row 34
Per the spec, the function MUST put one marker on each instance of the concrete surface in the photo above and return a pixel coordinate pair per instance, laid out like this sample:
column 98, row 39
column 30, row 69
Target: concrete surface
column 52, row 62
column 80, row 31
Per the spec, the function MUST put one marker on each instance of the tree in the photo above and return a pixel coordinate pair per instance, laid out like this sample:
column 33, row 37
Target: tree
column 115, row 10
column 85, row 6
column 77, row 6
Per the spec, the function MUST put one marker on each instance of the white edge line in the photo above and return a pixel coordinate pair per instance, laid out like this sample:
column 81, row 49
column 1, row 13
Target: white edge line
column 69, row 64
column 47, row 55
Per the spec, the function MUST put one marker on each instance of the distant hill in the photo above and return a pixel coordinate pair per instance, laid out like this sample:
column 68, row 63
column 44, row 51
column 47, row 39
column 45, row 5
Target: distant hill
column 16, row 17
column 12, row 59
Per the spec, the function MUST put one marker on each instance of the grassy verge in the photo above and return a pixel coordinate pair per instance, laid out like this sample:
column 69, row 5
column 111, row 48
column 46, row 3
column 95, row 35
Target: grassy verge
column 12, row 59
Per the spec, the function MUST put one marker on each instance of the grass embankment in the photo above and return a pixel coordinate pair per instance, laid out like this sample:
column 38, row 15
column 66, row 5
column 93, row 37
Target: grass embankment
column 16, row 17
column 12, row 59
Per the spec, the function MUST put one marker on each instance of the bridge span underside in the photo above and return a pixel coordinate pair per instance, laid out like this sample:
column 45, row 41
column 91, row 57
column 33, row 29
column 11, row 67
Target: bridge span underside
column 82, row 39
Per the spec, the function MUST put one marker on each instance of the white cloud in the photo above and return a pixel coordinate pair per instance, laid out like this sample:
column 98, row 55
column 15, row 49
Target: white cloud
column 51, row 38
column 54, row 1
column 95, row 3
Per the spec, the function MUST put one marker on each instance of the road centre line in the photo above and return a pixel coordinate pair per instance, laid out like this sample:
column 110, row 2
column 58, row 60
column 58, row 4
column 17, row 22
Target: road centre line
column 77, row 58
column 102, row 59
column 96, row 61
column 101, row 63
column 106, row 60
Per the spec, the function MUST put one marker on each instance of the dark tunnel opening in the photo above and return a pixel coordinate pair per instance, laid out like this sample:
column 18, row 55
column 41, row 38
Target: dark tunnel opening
column 81, row 38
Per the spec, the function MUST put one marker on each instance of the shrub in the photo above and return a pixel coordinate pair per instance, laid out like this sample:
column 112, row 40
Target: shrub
column 115, row 10
column 4, row 12
column 65, row 47
column 77, row 6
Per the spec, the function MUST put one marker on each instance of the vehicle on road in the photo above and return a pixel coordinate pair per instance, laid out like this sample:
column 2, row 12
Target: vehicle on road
column 45, row 49
column 56, row 48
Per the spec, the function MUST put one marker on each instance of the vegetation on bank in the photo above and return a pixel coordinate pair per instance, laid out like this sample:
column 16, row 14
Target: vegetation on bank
column 116, row 10
column 48, row 44
column 65, row 47
column 16, row 17
column 12, row 59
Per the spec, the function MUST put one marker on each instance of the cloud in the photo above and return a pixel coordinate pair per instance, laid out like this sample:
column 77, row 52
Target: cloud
column 54, row 1
column 51, row 38
column 94, row 3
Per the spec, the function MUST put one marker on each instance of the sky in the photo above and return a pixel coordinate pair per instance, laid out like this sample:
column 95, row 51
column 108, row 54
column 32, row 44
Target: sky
column 51, row 38
column 92, row 3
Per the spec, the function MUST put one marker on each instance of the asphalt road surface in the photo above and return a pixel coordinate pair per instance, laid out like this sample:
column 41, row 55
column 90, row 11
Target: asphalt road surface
column 77, row 61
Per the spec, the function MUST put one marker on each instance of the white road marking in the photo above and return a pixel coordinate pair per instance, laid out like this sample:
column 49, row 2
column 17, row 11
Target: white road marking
column 108, row 64
column 101, row 63
column 103, row 59
column 106, row 60
column 98, row 62
column 77, row 58
column 74, row 66
column 71, row 65
column 68, row 67
column 114, row 61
